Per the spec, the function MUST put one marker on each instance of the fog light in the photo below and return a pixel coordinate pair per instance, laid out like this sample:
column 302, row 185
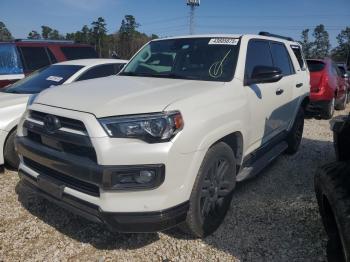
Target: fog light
column 145, row 176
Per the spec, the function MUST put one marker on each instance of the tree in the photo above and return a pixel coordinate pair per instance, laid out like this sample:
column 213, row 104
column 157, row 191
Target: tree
column 321, row 45
column 5, row 34
column 342, row 51
column 45, row 31
column 99, row 33
column 34, row 35
column 305, row 42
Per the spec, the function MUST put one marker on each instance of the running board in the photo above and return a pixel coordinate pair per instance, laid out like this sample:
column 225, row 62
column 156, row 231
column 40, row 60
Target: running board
column 261, row 163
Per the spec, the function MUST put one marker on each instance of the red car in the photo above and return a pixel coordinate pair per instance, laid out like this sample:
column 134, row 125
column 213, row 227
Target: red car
column 21, row 57
column 328, row 88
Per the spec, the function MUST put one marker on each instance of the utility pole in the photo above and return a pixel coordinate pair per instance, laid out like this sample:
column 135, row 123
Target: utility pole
column 192, row 4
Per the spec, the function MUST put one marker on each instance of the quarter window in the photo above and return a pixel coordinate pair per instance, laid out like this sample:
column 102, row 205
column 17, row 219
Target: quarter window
column 258, row 54
column 281, row 58
column 298, row 54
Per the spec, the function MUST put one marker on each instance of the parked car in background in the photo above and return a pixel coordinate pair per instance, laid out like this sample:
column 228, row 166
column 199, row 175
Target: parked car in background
column 328, row 88
column 332, row 186
column 346, row 75
column 165, row 142
column 21, row 57
column 13, row 99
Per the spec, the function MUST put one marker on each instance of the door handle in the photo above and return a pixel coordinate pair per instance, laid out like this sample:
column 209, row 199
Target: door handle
column 279, row 91
column 299, row 85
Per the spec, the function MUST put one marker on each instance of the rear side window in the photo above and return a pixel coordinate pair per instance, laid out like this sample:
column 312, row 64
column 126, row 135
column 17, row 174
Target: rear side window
column 34, row 57
column 9, row 60
column 298, row 54
column 315, row 66
column 281, row 58
column 52, row 57
column 98, row 71
column 258, row 54
column 80, row 52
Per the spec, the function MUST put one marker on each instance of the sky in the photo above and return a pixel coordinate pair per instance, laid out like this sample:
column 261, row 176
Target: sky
column 171, row 17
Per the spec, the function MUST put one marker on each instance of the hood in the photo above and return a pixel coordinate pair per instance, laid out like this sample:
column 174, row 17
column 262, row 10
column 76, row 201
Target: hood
column 10, row 99
column 123, row 95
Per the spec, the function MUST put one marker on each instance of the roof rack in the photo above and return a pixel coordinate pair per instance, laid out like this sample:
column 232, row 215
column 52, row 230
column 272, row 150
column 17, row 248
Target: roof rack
column 45, row 40
column 277, row 36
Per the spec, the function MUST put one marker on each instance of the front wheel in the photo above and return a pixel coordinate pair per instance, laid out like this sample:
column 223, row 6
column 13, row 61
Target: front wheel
column 212, row 192
column 10, row 155
column 296, row 133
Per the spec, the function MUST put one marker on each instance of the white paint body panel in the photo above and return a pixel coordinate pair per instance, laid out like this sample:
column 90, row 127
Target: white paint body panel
column 211, row 110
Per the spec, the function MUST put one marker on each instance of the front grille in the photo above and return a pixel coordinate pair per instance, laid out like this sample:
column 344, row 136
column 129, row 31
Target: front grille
column 65, row 122
column 69, row 181
column 62, row 141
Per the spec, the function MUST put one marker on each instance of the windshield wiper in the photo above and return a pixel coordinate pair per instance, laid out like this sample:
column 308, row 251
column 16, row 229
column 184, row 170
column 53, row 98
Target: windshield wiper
column 170, row 75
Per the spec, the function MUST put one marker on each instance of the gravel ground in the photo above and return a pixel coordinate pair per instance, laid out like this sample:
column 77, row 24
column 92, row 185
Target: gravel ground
column 273, row 217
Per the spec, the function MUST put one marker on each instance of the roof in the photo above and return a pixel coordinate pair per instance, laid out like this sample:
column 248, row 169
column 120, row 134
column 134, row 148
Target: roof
column 93, row 61
column 229, row 35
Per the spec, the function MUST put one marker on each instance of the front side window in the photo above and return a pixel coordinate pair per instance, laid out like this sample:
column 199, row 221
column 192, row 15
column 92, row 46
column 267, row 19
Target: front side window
column 44, row 78
column 98, row 71
column 34, row 57
column 207, row 59
column 9, row 60
column 281, row 58
column 258, row 54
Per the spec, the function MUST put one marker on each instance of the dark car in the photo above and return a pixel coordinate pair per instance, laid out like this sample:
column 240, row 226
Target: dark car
column 332, row 186
column 22, row 57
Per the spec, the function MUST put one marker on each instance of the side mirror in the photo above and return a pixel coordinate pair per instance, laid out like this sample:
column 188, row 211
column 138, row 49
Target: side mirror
column 265, row 74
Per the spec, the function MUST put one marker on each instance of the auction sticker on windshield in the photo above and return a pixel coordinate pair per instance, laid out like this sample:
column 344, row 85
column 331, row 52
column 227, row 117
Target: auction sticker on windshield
column 223, row 41
column 54, row 78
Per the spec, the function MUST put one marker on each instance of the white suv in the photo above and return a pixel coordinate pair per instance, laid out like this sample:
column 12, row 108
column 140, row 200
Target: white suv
column 164, row 143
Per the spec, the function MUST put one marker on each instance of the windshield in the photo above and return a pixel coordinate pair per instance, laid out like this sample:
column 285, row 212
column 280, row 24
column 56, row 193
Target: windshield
column 43, row 78
column 9, row 60
column 209, row 59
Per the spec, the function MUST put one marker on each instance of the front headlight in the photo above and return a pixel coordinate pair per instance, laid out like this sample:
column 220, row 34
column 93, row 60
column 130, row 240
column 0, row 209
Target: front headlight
column 152, row 128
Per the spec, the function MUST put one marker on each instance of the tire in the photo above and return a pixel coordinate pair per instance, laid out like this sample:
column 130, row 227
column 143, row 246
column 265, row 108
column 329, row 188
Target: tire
column 212, row 192
column 296, row 133
column 332, row 187
column 328, row 114
column 10, row 155
column 342, row 105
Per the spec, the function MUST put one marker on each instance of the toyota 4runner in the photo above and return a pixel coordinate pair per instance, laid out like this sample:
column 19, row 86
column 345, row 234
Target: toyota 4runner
column 165, row 141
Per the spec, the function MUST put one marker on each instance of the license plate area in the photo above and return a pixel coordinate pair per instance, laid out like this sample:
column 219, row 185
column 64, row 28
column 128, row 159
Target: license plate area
column 51, row 186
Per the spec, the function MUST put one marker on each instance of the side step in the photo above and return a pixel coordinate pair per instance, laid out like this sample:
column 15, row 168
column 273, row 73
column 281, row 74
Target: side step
column 261, row 163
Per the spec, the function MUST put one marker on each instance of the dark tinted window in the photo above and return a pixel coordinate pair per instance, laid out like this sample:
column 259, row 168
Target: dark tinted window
column 297, row 52
column 44, row 78
column 34, row 57
column 52, row 57
column 258, row 54
column 98, row 71
column 315, row 66
column 281, row 58
column 80, row 52
column 9, row 60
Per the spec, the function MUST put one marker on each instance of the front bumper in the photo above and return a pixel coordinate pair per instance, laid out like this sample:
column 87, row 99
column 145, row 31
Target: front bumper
column 131, row 222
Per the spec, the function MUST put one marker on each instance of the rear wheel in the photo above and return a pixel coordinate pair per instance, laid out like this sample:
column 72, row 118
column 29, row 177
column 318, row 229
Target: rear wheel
column 342, row 104
column 296, row 133
column 328, row 114
column 10, row 155
column 212, row 192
